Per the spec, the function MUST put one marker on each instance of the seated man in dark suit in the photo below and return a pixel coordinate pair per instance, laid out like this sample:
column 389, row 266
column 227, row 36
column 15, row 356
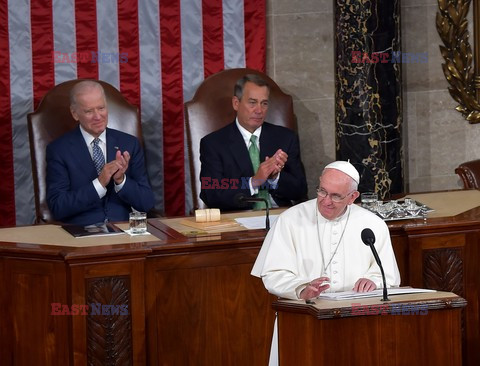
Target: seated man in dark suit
column 94, row 173
column 251, row 157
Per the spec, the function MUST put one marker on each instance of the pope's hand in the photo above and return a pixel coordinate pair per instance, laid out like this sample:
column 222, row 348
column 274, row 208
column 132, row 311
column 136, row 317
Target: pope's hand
column 315, row 288
column 364, row 285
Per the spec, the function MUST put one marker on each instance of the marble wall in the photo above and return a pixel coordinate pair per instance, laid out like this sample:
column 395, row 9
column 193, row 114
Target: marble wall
column 300, row 59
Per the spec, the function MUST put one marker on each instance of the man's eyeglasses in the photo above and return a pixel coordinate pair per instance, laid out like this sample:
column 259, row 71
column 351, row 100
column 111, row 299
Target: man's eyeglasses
column 333, row 196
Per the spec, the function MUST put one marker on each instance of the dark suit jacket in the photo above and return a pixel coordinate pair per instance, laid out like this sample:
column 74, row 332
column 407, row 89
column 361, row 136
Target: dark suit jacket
column 226, row 166
column 71, row 196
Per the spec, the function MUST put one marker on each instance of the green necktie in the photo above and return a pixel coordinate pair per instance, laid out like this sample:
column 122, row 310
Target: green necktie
column 255, row 158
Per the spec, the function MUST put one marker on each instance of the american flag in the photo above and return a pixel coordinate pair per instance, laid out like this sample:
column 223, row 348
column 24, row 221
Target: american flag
column 156, row 52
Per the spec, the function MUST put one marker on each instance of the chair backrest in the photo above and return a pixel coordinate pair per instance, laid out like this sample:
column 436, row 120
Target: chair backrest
column 52, row 119
column 211, row 109
column 469, row 172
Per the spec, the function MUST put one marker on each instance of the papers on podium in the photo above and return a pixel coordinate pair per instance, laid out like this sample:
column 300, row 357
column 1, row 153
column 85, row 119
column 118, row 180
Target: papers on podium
column 100, row 229
column 256, row 222
column 350, row 295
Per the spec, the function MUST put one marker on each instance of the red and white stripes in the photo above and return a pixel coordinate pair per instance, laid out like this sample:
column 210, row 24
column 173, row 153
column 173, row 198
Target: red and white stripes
column 156, row 52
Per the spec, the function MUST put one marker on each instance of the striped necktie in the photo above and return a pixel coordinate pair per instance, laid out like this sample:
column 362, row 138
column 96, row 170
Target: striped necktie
column 97, row 155
column 255, row 158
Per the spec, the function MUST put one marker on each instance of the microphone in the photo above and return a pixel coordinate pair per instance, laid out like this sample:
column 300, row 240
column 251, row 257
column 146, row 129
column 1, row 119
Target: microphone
column 368, row 238
column 241, row 199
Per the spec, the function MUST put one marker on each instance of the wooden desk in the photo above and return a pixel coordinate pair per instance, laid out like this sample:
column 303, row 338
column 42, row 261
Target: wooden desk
column 417, row 329
column 191, row 299
column 443, row 254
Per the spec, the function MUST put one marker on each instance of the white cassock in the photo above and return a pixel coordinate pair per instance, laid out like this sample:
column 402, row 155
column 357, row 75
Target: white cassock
column 302, row 245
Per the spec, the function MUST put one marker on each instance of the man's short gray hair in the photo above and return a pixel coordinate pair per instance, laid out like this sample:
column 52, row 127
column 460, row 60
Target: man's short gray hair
column 83, row 87
column 253, row 78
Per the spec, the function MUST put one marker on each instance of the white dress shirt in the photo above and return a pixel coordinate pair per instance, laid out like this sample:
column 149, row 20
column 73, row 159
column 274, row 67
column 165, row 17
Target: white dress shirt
column 101, row 190
column 246, row 137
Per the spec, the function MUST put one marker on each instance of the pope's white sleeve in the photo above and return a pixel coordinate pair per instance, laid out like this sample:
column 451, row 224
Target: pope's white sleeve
column 276, row 263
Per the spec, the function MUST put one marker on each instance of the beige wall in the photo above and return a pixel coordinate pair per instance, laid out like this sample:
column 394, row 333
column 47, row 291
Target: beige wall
column 300, row 59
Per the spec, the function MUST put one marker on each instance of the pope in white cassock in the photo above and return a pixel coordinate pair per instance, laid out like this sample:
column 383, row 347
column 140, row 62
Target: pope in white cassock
column 316, row 246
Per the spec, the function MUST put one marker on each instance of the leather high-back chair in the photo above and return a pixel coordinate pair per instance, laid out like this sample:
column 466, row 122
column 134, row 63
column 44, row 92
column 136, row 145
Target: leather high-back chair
column 211, row 109
column 52, row 119
column 469, row 172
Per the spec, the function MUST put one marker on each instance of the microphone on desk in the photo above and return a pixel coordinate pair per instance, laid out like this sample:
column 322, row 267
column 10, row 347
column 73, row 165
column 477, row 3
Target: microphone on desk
column 368, row 238
column 241, row 199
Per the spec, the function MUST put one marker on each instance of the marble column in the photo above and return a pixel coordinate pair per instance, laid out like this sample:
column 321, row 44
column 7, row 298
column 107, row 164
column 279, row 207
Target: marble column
column 368, row 94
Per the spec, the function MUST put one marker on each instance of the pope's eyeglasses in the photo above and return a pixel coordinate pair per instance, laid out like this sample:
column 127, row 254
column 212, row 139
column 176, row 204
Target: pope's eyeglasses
column 335, row 197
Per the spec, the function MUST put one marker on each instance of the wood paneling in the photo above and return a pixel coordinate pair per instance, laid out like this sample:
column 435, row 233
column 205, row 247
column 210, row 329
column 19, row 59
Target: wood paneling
column 109, row 324
column 103, row 283
column 445, row 257
column 207, row 309
column 29, row 330
column 193, row 300
column 397, row 340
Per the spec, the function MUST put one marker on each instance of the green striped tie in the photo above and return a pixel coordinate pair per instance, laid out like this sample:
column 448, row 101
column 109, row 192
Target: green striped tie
column 255, row 158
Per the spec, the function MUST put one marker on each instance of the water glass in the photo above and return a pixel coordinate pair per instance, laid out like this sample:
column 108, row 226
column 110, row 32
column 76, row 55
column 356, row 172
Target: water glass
column 410, row 204
column 382, row 210
column 138, row 222
column 369, row 200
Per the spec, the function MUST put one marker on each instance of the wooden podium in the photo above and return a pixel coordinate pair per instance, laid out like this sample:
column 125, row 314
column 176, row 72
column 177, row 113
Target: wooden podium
column 414, row 329
column 191, row 297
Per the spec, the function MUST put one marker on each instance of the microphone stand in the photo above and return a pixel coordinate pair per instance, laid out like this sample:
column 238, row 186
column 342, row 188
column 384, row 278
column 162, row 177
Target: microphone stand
column 377, row 259
column 368, row 237
column 243, row 198
column 267, row 215
column 267, row 209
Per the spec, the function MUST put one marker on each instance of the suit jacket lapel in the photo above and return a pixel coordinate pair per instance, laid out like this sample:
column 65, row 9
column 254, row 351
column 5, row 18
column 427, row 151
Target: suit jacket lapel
column 239, row 151
column 80, row 151
column 267, row 142
column 112, row 146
